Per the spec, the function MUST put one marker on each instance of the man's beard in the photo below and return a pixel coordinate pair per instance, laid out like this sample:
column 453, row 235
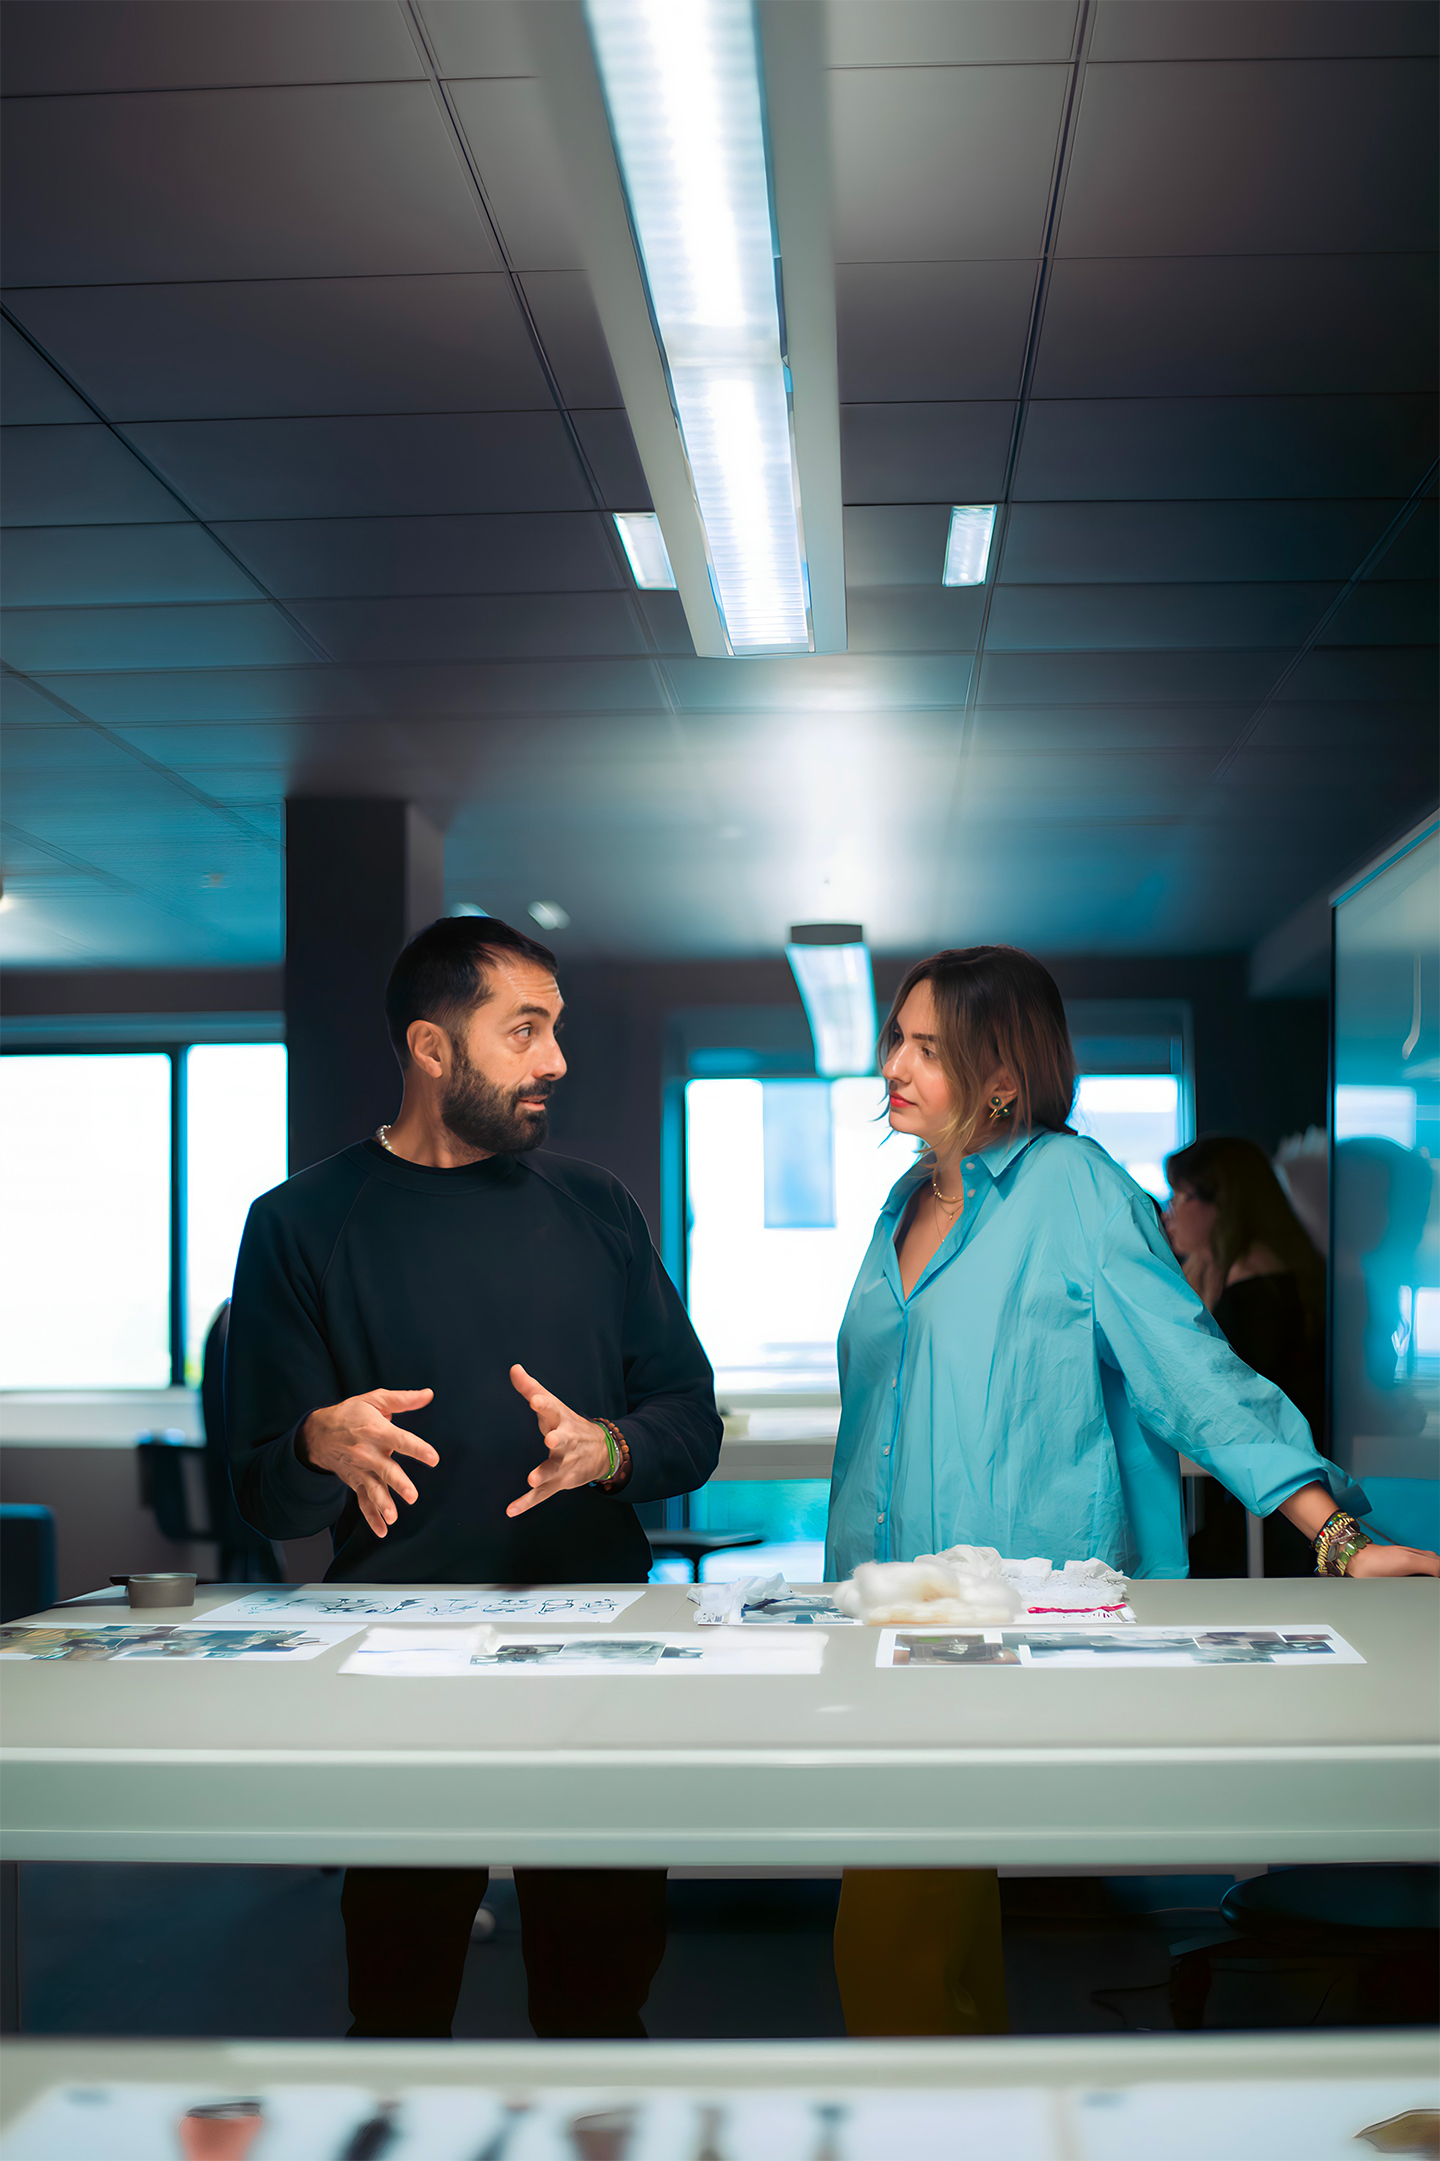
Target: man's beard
column 484, row 1116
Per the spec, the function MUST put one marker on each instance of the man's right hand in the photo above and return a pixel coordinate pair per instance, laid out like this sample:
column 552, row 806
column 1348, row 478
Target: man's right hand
column 356, row 1441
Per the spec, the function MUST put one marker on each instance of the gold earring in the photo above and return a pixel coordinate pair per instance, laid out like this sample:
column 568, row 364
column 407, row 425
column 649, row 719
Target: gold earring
column 1000, row 1109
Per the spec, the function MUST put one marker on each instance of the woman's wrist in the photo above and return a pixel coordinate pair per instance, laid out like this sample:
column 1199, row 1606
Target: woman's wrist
column 1337, row 1542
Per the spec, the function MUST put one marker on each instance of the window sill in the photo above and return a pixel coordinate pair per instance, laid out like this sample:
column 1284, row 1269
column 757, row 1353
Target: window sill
column 95, row 1417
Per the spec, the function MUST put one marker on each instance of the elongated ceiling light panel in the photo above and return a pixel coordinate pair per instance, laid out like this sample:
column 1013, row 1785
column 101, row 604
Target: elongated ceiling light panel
column 831, row 965
column 682, row 84
column 967, row 549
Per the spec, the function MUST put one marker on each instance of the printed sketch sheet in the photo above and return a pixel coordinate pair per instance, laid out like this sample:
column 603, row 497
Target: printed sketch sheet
column 1100, row 1650
column 443, row 1653
column 183, row 1639
column 463, row 1606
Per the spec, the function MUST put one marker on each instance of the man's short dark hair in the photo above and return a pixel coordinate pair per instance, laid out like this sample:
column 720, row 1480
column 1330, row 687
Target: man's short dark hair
column 443, row 974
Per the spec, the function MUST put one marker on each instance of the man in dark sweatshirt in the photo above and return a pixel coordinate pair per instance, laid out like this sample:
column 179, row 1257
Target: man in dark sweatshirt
column 552, row 1379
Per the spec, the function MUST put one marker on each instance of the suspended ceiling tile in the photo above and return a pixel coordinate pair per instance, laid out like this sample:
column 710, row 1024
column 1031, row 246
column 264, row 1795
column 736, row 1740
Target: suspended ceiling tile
column 213, row 694
column 1323, row 729
column 1209, row 728
column 610, row 451
column 564, row 310
column 1135, row 678
column 1100, row 618
column 35, row 395
column 924, row 453
column 1374, row 672
column 1387, row 611
column 478, row 37
column 923, row 619
column 938, row 163
column 508, row 129
column 506, row 552
column 518, row 626
column 1193, row 326
column 1281, row 29
column 517, row 688
column 1253, row 157
column 411, row 464
column 931, row 330
column 809, row 683
column 895, row 544
column 91, row 45
column 1125, row 784
column 331, row 345
column 1160, row 448
column 96, row 565
column 360, row 180
column 78, row 476
column 1150, row 543
column 946, row 33
column 1361, row 769
column 1415, row 550
column 242, row 634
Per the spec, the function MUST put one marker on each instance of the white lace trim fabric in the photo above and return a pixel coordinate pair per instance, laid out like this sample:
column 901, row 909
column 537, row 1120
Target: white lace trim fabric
column 975, row 1586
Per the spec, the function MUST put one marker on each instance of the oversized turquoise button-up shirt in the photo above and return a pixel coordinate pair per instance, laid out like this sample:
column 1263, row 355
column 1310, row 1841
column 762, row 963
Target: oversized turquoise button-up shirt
column 1036, row 1390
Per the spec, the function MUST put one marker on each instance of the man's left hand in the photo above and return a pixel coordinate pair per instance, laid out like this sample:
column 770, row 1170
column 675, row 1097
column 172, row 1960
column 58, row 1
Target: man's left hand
column 578, row 1448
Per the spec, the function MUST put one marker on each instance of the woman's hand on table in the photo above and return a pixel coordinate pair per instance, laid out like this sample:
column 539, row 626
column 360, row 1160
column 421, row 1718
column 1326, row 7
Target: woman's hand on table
column 579, row 1452
column 356, row 1441
column 1376, row 1560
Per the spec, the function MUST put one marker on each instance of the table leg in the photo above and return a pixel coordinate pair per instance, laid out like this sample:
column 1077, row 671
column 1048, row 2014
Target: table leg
column 1254, row 1545
column 9, row 1947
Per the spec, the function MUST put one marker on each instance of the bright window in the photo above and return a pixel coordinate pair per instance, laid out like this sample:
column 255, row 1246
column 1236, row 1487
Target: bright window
column 785, row 1180
column 85, row 1208
column 1136, row 1118
column 235, row 1148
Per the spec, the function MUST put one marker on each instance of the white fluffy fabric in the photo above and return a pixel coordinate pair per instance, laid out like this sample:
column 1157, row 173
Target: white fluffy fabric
column 975, row 1587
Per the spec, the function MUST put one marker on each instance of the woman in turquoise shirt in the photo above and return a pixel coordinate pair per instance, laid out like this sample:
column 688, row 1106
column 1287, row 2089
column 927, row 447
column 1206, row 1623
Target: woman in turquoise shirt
column 1022, row 1364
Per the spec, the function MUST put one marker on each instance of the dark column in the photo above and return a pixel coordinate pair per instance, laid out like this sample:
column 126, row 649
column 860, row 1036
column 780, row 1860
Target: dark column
column 360, row 878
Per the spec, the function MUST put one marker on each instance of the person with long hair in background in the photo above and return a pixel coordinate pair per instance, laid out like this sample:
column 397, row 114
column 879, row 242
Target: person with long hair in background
column 1022, row 1364
column 1246, row 1254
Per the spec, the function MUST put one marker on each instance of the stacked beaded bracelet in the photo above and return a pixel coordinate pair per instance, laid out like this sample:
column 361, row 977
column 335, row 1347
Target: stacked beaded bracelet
column 618, row 1465
column 1337, row 1542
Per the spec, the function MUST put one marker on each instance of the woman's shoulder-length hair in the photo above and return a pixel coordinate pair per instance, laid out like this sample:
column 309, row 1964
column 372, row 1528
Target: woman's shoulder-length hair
column 995, row 1006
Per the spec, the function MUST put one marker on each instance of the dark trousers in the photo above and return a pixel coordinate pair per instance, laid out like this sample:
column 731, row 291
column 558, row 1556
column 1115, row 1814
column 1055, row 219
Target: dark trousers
column 592, row 1939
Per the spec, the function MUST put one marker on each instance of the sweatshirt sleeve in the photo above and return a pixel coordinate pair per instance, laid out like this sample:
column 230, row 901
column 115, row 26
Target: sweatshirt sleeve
column 670, row 1421
column 1186, row 1385
column 277, row 1370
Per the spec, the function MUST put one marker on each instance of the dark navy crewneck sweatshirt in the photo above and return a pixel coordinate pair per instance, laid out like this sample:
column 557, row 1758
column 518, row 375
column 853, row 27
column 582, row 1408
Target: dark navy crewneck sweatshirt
column 368, row 1271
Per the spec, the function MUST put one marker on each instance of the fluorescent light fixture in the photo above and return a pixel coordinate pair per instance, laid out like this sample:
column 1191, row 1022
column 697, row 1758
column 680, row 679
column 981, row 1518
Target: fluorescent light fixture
column 468, row 907
column 831, row 963
column 644, row 545
column 682, row 86
column 967, row 551
column 548, row 914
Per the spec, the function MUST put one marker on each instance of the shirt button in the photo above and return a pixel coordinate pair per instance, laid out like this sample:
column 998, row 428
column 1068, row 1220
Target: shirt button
column 886, row 1449
column 881, row 1517
column 895, row 1383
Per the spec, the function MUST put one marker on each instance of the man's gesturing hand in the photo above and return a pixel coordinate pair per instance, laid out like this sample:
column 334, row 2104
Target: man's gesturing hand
column 356, row 1441
column 578, row 1450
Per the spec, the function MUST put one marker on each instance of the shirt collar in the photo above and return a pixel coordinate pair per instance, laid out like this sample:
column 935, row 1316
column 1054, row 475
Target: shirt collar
column 996, row 1160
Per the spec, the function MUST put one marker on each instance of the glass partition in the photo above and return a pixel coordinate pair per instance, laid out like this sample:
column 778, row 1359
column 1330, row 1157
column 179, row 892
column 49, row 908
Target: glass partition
column 1385, row 1184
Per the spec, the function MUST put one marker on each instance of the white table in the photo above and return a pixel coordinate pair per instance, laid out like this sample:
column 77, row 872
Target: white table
column 1228, row 1767
column 1084, row 2100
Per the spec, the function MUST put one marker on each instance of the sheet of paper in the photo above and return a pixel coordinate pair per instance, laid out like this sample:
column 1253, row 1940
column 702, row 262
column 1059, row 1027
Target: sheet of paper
column 1101, row 1650
column 464, row 1605
column 1325, row 2119
column 114, row 2122
column 107, row 1642
column 441, row 1653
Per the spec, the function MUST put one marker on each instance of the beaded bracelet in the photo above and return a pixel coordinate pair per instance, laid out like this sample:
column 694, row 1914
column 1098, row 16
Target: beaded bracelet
column 618, row 1464
column 1337, row 1542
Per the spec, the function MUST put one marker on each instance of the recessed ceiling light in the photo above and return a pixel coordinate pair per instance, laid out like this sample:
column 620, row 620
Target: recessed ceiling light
column 683, row 88
column 548, row 914
column 831, row 964
column 967, row 551
column 644, row 546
